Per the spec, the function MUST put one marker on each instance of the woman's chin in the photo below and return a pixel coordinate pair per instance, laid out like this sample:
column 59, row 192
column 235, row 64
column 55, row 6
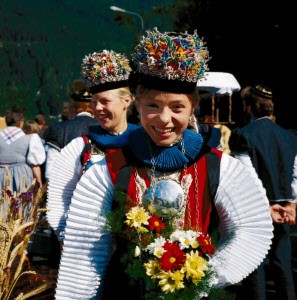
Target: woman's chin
column 105, row 124
column 164, row 143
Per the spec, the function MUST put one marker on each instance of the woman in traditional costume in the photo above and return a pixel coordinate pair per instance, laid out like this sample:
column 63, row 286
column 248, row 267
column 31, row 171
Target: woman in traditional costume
column 106, row 75
column 21, row 155
column 165, row 169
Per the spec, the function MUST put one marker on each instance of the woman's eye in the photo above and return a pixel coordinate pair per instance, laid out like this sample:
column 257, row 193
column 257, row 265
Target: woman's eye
column 152, row 105
column 177, row 107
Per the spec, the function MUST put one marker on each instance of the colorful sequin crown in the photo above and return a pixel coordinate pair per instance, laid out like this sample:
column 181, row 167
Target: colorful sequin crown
column 106, row 70
column 170, row 61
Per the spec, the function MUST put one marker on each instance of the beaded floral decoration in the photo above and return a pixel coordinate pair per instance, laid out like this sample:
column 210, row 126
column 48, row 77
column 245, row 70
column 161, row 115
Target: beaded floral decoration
column 171, row 56
column 106, row 66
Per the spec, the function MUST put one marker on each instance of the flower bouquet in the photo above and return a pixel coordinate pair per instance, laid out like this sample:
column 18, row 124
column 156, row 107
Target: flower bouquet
column 172, row 263
column 19, row 216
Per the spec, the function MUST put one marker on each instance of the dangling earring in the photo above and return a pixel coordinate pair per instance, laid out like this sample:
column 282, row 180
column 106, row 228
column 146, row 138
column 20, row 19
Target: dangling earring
column 193, row 122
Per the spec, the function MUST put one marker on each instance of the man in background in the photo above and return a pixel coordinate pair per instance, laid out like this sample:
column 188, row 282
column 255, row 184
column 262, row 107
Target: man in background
column 58, row 135
column 271, row 151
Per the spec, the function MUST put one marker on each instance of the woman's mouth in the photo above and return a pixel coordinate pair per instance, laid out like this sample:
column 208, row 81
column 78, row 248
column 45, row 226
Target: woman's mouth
column 102, row 117
column 164, row 130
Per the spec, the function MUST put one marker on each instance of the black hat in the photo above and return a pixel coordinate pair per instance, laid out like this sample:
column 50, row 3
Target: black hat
column 82, row 96
column 170, row 61
column 262, row 91
column 80, row 92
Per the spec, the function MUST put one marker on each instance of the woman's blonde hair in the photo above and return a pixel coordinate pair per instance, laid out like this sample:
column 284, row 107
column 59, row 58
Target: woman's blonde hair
column 123, row 93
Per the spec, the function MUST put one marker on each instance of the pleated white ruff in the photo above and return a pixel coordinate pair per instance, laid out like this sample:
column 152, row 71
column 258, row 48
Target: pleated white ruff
column 245, row 230
column 245, row 223
column 87, row 245
column 62, row 182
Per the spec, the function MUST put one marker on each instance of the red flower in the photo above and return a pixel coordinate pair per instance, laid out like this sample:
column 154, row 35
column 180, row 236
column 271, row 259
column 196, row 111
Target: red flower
column 206, row 245
column 173, row 258
column 155, row 224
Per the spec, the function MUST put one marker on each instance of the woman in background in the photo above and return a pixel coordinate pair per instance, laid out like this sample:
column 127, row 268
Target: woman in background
column 20, row 154
column 31, row 126
column 105, row 75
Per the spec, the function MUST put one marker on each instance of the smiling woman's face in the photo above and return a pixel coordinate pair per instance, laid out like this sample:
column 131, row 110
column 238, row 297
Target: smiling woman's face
column 110, row 109
column 164, row 116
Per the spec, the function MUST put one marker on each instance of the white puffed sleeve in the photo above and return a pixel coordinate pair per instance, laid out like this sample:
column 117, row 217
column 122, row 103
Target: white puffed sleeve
column 62, row 183
column 87, row 244
column 36, row 154
column 245, row 224
column 51, row 154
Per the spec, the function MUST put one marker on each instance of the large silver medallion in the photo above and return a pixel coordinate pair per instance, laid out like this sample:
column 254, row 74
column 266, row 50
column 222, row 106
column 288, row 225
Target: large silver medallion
column 166, row 195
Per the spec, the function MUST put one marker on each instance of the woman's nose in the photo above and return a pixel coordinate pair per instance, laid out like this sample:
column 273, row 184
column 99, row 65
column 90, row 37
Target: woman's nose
column 165, row 116
column 97, row 106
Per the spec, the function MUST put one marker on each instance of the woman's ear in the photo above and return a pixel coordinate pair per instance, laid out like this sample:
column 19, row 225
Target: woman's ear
column 127, row 100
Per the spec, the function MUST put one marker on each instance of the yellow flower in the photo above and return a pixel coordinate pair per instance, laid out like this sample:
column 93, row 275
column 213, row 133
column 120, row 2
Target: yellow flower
column 152, row 268
column 195, row 266
column 137, row 216
column 171, row 281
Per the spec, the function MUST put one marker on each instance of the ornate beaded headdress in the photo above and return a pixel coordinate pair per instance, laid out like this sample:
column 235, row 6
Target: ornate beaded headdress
column 105, row 70
column 170, row 61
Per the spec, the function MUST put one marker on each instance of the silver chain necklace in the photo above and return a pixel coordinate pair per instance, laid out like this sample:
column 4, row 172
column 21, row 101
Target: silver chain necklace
column 168, row 191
